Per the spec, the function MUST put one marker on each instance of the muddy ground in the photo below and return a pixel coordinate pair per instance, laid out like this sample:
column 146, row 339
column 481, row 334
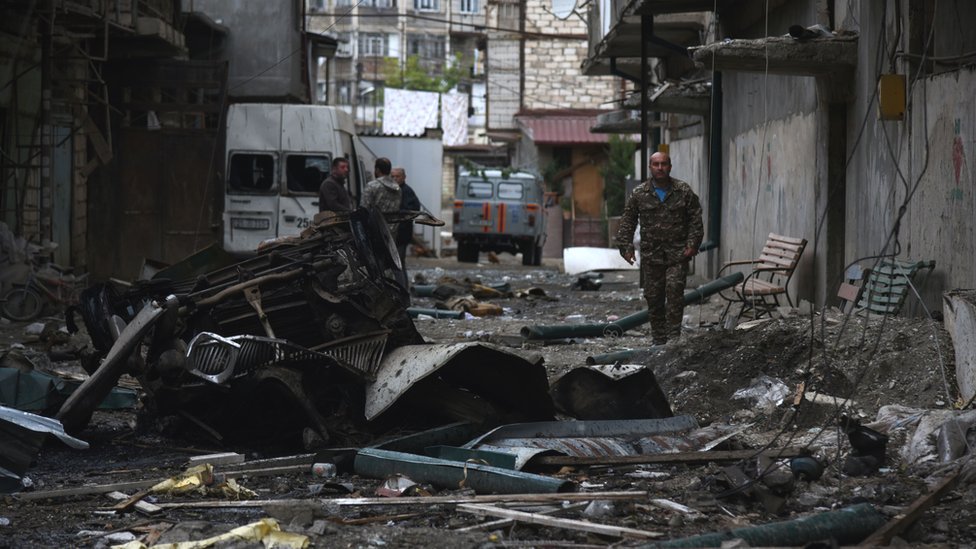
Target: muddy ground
column 875, row 363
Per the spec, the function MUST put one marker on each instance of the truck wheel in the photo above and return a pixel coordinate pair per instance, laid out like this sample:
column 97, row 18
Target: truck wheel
column 467, row 253
column 528, row 254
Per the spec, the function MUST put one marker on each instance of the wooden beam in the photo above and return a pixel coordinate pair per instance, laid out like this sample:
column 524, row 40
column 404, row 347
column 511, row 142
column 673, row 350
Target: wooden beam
column 903, row 520
column 433, row 500
column 568, row 524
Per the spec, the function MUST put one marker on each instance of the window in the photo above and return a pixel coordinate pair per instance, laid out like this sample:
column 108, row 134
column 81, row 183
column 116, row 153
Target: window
column 343, row 3
column 431, row 50
column 342, row 91
column 372, row 44
column 304, row 173
column 508, row 16
column 479, row 189
column 344, row 49
column 425, row 5
column 469, row 6
column 315, row 6
column 380, row 4
column 509, row 191
column 251, row 172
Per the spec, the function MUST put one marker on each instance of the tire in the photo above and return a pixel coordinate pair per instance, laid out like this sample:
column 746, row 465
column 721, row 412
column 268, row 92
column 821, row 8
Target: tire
column 528, row 254
column 538, row 256
column 22, row 304
column 467, row 253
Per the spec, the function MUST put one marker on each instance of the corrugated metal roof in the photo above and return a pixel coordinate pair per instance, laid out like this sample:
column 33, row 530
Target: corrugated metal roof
column 561, row 129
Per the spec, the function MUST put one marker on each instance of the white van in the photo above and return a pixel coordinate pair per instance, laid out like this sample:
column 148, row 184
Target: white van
column 276, row 157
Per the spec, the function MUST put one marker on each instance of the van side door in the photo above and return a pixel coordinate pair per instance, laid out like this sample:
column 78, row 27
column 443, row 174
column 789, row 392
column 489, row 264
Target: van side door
column 304, row 173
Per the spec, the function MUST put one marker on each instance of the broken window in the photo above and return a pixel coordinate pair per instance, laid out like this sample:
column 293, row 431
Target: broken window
column 251, row 172
column 509, row 191
column 304, row 172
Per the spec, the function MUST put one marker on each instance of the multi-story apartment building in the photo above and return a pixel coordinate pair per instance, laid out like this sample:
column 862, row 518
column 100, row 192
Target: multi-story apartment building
column 376, row 36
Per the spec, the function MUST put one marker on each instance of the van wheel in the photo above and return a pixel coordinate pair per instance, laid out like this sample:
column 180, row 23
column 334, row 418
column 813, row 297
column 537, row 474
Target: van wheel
column 467, row 253
column 528, row 254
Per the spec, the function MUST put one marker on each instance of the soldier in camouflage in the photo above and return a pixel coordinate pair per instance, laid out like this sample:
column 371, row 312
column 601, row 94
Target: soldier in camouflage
column 670, row 218
column 383, row 193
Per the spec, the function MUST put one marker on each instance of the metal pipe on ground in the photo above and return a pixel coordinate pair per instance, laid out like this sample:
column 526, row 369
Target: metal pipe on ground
column 484, row 479
column 846, row 526
column 414, row 312
column 618, row 327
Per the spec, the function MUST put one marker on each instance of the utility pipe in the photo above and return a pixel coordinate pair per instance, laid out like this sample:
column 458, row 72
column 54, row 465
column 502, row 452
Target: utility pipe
column 714, row 166
column 484, row 479
column 847, row 526
column 414, row 312
column 618, row 327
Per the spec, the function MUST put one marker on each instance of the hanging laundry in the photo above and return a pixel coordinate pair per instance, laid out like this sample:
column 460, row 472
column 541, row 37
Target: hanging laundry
column 408, row 112
column 454, row 118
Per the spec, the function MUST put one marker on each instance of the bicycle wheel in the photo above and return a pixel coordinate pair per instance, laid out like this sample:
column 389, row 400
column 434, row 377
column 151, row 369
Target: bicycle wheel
column 22, row 304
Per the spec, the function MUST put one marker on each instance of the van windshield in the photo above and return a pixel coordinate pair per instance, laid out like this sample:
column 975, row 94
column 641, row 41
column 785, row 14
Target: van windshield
column 304, row 173
column 509, row 191
column 480, row 189
column 251, row 172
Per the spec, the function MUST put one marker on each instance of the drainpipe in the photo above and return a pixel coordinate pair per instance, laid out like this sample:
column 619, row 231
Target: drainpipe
column 714, row 166
column 47, row 131
column 647, row 23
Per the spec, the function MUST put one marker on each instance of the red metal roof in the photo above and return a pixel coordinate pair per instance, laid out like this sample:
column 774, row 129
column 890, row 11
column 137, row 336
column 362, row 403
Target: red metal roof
column 561, row 127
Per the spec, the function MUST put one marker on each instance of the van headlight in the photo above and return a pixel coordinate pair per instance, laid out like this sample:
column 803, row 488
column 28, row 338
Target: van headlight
column 250, row 224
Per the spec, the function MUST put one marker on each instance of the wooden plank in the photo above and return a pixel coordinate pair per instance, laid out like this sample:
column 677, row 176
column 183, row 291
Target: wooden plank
column 143, row 507
column 506, row 522
column 568, row 524
column 223, row 458
column 142, row 484
column 903, row 520
column 432, row 500
column 88, row 490
column 677, row 457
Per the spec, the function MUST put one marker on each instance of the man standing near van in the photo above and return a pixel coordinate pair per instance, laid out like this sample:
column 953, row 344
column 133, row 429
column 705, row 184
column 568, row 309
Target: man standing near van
column 333, row 195
column 408, row 202
column 382, row 193
column 671, row 230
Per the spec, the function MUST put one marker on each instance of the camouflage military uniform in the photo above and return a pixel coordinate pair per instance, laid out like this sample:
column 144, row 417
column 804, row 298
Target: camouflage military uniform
column 384, row 195
column 667, row 228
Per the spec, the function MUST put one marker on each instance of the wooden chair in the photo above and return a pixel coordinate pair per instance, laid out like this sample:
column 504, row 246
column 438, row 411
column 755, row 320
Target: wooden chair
column 769, row 278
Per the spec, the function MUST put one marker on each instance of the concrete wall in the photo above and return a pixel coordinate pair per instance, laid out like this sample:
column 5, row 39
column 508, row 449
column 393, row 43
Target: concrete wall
column 772, row 168
column 262, row 34
column 922, row 162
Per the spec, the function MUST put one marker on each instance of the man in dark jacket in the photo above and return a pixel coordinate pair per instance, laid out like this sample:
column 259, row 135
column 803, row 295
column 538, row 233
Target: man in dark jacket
column 671, row 231
column 333, row 195
column 408, row 202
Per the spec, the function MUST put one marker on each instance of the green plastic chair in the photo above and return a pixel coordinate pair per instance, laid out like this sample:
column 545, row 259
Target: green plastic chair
column 887, row 286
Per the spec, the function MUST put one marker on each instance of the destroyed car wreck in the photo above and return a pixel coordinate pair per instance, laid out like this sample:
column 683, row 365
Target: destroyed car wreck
column 286, row 340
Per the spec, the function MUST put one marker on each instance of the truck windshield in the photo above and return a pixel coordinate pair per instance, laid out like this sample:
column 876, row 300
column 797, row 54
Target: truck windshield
column 479, row 189
column 304, row 173
column 509, row 191
column 251, row 172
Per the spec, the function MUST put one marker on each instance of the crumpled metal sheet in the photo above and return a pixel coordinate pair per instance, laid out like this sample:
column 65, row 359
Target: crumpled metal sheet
column 490, row 372
column 599, row 438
